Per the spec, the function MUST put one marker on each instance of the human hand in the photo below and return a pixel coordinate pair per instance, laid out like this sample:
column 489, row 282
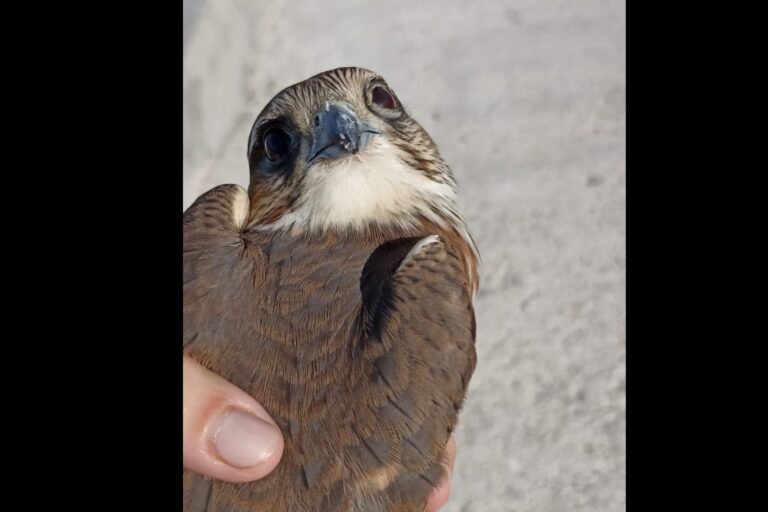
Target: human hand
column 230, row 437
column 227, row 434
column 440, row 495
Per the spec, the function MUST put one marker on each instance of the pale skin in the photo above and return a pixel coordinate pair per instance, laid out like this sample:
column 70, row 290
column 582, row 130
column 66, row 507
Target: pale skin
column 220, row 419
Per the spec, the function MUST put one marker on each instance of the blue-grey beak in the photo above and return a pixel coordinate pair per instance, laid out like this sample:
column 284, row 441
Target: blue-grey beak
column 338, row 133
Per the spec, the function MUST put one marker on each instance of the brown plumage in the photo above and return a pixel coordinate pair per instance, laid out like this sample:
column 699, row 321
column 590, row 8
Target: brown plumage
column 324, row 292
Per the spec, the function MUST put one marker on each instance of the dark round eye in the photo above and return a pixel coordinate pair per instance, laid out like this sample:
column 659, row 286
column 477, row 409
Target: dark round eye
column 277, row 143
column 381, row 97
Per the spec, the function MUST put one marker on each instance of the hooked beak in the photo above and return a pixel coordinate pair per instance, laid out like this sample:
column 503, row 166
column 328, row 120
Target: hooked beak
column 338, row 133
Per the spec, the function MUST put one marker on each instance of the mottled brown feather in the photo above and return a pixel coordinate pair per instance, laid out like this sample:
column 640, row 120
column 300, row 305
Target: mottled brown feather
column 365, row 391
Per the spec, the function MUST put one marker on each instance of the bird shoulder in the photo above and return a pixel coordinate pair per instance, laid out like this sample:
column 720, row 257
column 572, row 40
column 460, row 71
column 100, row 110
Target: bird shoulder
column 223, row 208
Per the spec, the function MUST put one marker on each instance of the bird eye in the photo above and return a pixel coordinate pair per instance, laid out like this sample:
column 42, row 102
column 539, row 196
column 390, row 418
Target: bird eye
column 277, row 143
column 382, row 98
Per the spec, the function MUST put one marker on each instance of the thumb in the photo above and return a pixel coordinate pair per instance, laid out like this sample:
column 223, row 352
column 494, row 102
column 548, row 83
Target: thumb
column 227, row 434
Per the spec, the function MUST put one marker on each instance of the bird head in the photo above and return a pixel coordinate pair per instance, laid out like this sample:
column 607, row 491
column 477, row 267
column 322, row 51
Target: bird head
column 339, row 152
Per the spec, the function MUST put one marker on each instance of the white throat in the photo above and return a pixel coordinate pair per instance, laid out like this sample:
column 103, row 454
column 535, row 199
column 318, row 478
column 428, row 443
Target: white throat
column 373, row 187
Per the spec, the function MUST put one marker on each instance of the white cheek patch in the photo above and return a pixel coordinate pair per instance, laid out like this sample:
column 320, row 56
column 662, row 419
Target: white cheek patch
column 374, row 187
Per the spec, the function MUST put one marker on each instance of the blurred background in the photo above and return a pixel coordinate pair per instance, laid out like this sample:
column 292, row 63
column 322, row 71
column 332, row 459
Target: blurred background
column 526, row 101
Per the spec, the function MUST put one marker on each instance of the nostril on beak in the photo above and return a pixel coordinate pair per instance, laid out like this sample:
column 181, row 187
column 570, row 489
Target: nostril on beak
column 338, row 132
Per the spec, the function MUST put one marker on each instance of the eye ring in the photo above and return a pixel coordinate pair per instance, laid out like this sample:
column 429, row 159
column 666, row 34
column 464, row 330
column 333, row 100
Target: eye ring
column 383, row 98
column 382, row 101
column 276, row 143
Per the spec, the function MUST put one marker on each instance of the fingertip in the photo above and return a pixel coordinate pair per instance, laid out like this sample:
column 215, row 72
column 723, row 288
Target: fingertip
column 246, row 443
column 442, row 494
column 439, row 497
column 227, row 434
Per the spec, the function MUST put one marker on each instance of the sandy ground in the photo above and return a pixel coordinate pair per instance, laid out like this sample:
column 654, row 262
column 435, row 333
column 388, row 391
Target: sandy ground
column 526, row 101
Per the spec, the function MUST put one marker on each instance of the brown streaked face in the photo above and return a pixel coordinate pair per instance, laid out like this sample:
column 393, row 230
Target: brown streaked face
column 339, row 149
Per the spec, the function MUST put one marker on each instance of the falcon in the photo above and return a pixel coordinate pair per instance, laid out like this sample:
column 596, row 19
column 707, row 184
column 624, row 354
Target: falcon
column 337, row 291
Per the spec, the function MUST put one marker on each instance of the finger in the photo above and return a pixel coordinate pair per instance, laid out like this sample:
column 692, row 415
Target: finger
column 227, row 434
column 440, row 495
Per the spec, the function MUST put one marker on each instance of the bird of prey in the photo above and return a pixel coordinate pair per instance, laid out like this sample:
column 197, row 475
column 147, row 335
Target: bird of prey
column 337, row 291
